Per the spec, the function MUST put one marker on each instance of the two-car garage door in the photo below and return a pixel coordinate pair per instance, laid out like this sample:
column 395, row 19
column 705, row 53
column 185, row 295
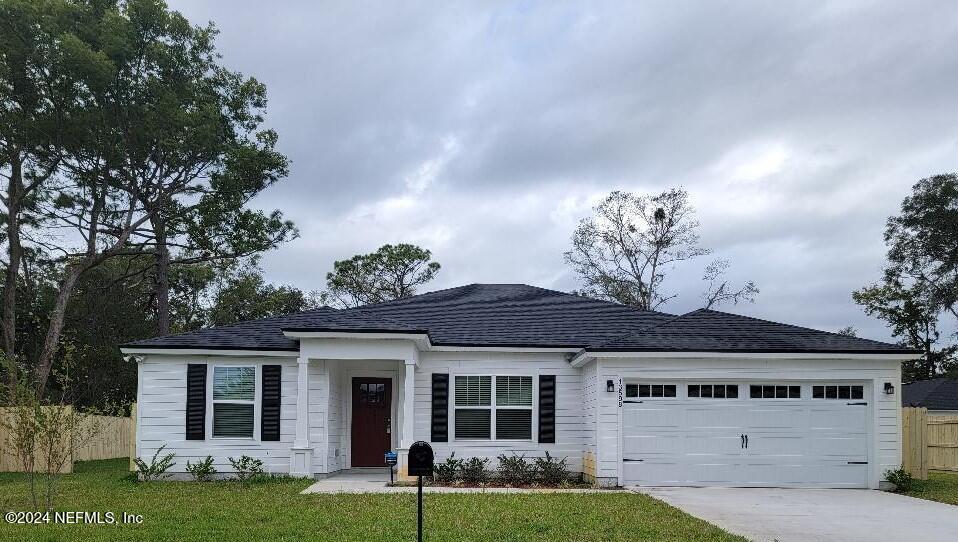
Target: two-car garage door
column 808, row 434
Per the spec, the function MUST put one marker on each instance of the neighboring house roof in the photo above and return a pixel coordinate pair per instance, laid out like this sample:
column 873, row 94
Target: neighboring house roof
column 518, row 315
column 936, row 394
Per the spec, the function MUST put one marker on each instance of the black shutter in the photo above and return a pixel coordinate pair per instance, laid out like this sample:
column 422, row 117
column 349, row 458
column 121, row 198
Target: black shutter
column 440, row 407
column 547, row 408
column 196, row 401
column 270, row 403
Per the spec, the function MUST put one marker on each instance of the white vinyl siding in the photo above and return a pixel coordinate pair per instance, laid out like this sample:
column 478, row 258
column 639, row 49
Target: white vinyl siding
column 161, row 413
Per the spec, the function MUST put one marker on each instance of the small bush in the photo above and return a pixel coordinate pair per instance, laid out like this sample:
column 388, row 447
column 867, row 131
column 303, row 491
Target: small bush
column 551, row 472
column 202, row 471
column 448, row 471
column 515, row 470
column 474, row 471
column 902, row 479
column 247, row 468
column 156, row 468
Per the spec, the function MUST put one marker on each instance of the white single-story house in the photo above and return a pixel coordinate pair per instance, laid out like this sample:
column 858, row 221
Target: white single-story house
column 627, row 396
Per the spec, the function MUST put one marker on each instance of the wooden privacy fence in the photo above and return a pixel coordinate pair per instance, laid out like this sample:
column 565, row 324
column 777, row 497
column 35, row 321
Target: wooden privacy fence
column 111, row 440
column 929, row 442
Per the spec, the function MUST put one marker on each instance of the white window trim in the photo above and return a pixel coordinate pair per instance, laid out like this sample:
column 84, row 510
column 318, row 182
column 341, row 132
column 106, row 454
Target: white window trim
column 492, row 407
column 211, row 368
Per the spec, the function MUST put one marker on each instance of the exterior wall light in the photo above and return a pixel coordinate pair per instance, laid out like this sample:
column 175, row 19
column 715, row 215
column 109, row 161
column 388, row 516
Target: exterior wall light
column 889, row 388
column 609, row 386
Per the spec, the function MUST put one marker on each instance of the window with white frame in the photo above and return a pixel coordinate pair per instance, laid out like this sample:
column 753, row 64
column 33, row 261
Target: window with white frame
column 234, row 390
column 477, row 416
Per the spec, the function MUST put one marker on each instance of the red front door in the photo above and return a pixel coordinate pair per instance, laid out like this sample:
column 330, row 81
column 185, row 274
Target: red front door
column 372, row 402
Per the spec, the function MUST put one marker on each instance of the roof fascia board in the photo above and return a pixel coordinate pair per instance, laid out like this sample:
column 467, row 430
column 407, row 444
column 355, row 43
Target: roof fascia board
column 751, row 355
column 521, row 349
column 208, row 352
column 421, row 339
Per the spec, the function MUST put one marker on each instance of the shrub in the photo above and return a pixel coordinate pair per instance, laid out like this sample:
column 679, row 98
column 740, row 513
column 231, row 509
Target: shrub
column 902, row 479
column 156, row 468
column 247, row 468
column 448, row 471
column 474, row 471
column 202, row 471
column 516, row 470
column 551, row 472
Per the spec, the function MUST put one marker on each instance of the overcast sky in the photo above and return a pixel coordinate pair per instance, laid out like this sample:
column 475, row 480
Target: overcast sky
column 485, row 133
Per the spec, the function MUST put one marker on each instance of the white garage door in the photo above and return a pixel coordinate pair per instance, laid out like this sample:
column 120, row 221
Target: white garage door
column 811, row 434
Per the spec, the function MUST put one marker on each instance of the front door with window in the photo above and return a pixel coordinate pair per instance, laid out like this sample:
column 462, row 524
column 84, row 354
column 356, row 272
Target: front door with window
column 372, row 403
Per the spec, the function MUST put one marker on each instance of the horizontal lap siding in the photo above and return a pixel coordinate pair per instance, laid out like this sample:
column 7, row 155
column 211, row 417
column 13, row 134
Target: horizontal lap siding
column 886, row 425
column 161, row 414
column 317, row 401
column 570, row 433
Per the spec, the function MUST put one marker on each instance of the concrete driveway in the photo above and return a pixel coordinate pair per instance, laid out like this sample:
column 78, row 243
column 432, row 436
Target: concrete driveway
column 805, row 515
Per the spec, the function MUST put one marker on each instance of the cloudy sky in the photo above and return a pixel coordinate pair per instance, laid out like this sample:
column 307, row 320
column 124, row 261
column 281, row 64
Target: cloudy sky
column 485, row 133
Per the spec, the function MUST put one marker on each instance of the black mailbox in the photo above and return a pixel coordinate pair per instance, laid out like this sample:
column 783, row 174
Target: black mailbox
column 420, row 459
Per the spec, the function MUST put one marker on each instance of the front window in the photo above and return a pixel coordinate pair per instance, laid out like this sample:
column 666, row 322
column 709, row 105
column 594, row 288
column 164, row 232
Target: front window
column 234, row 389
column 477, row 416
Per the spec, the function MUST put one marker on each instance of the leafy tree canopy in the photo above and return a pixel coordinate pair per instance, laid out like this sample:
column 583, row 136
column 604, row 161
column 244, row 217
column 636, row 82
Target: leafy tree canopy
column 392, row 272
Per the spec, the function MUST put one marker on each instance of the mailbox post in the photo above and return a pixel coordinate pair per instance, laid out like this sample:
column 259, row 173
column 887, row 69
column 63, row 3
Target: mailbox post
column 419, row 464
column 391, row 462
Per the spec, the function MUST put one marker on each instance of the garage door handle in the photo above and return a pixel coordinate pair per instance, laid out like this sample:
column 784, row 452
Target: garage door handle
column 632, row 401
column 858, row 462
column 632, row 460
column 857, row 404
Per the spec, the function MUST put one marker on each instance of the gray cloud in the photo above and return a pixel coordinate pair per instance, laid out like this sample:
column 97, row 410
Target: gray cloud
column 485, row 133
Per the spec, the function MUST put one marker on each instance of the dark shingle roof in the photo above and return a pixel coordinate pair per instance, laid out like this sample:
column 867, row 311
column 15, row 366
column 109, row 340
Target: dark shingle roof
column 936, row 394
column 706, row 330
column 517, row 315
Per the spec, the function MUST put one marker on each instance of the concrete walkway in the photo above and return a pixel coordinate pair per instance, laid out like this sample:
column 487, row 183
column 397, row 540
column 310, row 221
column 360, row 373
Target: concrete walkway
column 813, row 515
column 377, row 480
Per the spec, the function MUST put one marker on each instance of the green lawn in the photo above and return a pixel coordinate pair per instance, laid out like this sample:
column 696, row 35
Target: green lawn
column 276, row 511
column 940, row 486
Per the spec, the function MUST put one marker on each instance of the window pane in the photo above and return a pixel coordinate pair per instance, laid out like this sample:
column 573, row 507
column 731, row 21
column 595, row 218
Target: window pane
column 857, row 392
column 693, row 390
column 818, row 392
column 514, row 390
column 669, row 390
column 718, row 392
column 768, row 392
column 514, row 424
column 731, row 392
column 794, row 392
column 473, row 390
column 755, row 392
column 473, row 423
column 656, row 390
column 831, row 392
column 844, row 392
column 234, row 383
column 631, row 390
column 644, row 390
column 232, row 420
column 707, row 391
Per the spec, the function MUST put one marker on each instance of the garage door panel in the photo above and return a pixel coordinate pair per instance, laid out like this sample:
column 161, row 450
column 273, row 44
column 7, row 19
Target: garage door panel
column 802, row 442
column 839, row 418
column 651, row 416
column 714, row 416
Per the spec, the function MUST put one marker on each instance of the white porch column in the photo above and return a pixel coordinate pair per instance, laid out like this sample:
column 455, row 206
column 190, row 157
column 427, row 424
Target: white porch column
column 301, row 454
column 407, row 438
column 408, row 405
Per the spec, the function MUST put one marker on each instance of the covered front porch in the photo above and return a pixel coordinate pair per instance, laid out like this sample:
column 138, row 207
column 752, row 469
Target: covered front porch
column 355, row 401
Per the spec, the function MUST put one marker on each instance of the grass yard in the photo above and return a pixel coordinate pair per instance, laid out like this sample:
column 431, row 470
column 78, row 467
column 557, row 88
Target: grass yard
column 940, row 486
column 276, row 511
